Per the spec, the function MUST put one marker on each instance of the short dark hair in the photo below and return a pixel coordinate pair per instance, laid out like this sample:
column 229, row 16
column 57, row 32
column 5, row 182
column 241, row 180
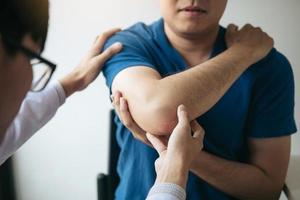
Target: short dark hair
column 21, row 17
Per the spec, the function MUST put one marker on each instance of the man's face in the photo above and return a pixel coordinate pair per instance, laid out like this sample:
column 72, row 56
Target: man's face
column 192, row 17
column 15, row 81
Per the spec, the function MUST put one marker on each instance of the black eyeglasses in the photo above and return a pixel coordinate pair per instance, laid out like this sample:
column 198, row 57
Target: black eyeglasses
column 42, row 68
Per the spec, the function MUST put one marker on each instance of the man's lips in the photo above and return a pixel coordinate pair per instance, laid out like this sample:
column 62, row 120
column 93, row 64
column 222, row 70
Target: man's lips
column 193, row 9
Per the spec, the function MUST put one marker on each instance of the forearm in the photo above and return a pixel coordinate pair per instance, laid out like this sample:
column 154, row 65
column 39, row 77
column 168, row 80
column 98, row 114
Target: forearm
column 243, row 181
column 199, row 88
column 71, row 83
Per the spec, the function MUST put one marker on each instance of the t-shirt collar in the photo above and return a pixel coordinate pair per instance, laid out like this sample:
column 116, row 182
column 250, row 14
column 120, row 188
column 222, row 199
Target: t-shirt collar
column 173, row 55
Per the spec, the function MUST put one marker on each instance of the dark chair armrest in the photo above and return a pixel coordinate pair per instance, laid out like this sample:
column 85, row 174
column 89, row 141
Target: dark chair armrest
column 102, row 186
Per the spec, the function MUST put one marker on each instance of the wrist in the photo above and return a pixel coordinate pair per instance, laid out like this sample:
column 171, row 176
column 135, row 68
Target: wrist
column 70, row 83
column 173, row 172
column 245, row 55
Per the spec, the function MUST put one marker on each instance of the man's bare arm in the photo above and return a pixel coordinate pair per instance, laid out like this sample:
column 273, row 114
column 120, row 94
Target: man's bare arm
column 262, row 178
column 153, row 100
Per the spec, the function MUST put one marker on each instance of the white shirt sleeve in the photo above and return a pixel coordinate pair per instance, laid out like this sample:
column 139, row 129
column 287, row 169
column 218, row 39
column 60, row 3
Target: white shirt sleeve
column 166, row 191
column 36, row 110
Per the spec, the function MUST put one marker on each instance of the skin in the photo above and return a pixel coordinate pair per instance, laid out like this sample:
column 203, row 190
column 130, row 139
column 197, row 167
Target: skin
column 201, row 86
column 16, row 75
column 181, row 145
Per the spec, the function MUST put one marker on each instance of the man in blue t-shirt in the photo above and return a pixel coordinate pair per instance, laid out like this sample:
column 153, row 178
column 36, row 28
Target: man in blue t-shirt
column 242, row 94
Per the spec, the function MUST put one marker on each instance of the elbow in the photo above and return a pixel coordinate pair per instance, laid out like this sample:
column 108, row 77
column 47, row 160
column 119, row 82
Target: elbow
column 269, row 191
column 155, row 116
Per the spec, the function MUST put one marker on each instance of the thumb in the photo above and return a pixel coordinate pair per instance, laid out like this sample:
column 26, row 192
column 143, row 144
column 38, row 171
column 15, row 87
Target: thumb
column 182, row 115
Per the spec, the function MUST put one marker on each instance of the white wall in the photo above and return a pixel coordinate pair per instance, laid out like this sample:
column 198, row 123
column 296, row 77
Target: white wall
column 62, row 160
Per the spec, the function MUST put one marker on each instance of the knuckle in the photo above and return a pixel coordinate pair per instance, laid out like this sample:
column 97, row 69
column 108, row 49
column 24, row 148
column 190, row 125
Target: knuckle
column 231, row 26
column 248, row 25
column 258, row 29
column 105, row 35
column 186, row 128
column 137, row 137
column 109, row 51
column 134, row 136
column 128, row 124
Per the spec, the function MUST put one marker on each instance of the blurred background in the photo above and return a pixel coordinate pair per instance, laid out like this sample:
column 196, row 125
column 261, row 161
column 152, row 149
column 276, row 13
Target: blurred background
column 62, row 160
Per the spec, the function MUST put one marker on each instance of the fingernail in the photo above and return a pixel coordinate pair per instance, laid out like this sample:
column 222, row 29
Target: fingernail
column 181, row 108
column 112, row 97
column 117, row 45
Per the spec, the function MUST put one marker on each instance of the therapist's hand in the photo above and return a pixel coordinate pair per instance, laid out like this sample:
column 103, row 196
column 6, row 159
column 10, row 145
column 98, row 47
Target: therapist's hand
column 91, row 65
column 177, row 155
column 121, row 107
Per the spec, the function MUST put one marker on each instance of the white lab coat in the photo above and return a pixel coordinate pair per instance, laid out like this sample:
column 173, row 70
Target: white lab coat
column 36, row 110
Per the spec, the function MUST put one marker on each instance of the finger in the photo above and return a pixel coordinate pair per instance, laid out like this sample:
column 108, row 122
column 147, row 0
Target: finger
column 247, row 27
column 232, row 28
column 116, row 102
column 258, row 29
column 198, row 131
column 127, row 119
column 112, row 96
column 121, row 108
column 157, row 143
column 101, row 39
column 129, row 122
column 182, row 115
column 124, row 114
column 108, row 53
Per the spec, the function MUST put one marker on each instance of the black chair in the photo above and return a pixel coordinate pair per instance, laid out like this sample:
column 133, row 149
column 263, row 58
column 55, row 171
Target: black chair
column 107, row 183
column 7, row 186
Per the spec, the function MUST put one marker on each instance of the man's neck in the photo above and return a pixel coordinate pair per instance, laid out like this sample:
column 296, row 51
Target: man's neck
column 195, row 49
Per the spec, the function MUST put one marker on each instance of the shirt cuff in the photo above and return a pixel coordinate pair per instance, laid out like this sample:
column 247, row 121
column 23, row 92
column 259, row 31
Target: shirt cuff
column 168, row 188
column 60, row 92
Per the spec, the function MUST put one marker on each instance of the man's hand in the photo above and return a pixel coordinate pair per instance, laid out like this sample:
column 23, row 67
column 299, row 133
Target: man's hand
column 251, row 40
column 177, row 154
column 90, row 66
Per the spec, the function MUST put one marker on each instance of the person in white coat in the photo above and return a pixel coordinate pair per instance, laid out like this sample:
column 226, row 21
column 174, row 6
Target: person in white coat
column 26, row 104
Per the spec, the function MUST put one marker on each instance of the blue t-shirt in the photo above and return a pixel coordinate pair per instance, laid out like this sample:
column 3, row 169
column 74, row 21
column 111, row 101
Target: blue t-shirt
column 260, row 104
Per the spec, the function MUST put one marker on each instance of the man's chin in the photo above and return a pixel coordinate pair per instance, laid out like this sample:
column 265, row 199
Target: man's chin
column 191, row 32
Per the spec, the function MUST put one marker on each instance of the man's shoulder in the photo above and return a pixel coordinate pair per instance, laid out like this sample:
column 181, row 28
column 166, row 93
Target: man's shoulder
column 137, row 34
column 275, row 64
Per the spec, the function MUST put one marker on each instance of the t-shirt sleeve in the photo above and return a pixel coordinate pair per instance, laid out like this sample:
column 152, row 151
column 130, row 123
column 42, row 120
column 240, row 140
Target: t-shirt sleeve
column 135, row 52
column 272, row 103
